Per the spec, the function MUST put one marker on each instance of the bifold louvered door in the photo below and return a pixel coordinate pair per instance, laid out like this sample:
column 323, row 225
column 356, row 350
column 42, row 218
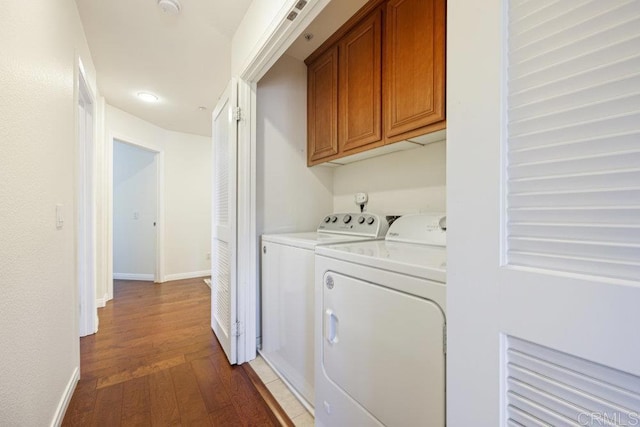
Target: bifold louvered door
column 572, row 249
column 543, row 199
column 223, row 244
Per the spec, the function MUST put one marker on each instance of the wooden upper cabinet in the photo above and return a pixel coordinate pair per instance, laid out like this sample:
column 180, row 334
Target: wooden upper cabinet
column 360, row 85
column 414, row 83
column 379, row 79
column 322, row 107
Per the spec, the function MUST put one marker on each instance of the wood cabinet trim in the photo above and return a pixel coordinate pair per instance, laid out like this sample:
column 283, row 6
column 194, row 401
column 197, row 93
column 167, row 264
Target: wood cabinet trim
column 344, row 29
column 371, row 100
column 330, row 58
column 393, row 125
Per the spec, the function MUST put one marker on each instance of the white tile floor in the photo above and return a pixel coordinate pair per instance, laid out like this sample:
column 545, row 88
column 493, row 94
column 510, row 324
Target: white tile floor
column 281, row 393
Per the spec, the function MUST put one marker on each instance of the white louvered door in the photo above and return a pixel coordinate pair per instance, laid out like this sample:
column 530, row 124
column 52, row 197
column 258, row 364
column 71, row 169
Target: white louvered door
column 552, row 311
column 223, row 231
column 572, row 223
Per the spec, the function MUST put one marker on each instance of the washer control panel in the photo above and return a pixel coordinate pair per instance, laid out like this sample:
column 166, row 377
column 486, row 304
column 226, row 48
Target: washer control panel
column 361, row 224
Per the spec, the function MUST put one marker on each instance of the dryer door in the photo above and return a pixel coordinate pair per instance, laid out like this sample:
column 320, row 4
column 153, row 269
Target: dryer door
column 385, row 349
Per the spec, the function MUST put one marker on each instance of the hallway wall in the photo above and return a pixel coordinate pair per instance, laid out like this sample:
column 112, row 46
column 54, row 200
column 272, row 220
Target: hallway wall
column 40, row 41
column 187, row 192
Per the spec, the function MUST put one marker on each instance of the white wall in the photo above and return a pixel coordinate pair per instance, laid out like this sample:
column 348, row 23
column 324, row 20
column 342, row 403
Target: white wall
column 258, row 22
column 404, row 182
column 290, row 196
column 187, row 188
column 475, row 35
column 187, row 205
column 40, row 41
column 134, row 210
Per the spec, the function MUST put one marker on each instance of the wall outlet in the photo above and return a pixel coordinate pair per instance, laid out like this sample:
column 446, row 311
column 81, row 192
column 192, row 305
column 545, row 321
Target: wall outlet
column 362, row 198
column 208, row 255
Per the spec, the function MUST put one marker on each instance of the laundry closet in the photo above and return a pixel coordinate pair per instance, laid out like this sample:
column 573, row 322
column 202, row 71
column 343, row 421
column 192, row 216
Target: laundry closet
column 304, row 177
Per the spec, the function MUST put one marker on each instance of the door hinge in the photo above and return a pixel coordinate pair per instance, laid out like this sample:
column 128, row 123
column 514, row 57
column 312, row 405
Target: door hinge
column 237, row 328
column 237, row 114
column 444, row 338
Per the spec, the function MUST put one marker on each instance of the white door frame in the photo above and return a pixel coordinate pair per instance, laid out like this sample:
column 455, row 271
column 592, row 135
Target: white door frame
column 270, row 48
column 159, row 152
column 85, row 206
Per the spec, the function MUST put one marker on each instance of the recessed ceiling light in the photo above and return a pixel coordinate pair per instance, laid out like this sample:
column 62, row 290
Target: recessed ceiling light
column 147, row 97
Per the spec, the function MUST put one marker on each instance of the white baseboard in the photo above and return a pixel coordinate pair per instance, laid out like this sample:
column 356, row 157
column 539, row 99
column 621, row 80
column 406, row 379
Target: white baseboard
column 190, row 275
column 66, row 398
column 132, row 276
column 101, row 302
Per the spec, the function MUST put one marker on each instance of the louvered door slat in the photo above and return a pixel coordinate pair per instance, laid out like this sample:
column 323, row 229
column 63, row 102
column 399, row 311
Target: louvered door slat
column 576, row 216
column 573, row 146
column 561, row 389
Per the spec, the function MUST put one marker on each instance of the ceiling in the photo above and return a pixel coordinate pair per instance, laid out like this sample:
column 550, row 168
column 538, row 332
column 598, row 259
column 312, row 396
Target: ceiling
column 185, row 59
column 324, row 25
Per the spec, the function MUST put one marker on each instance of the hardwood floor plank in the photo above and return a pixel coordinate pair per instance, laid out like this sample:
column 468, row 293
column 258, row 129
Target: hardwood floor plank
column 162, row 397
column 190, row 402
column 214, row 394
column 227, row 416
column 81, row 406
column 108, row 409
column 155, row 361
column 142, row 371
column 136, row 405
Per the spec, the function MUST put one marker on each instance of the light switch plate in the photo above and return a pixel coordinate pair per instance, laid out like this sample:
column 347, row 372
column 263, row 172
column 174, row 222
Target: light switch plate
column 59, row 217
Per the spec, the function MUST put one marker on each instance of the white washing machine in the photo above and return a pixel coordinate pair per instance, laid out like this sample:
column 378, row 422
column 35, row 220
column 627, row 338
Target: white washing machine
column 287, row 295
column 380, row 328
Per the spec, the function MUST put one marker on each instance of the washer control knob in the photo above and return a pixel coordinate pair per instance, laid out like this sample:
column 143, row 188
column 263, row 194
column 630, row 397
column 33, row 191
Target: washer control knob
column 334, row 218
column 327, row 219
column 371, row 220
column 361, row 220
column 347, row 219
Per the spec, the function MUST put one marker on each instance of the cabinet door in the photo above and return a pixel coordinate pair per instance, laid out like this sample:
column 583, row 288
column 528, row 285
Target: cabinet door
column 322, row 107
column 360, row 112
column 414, row 65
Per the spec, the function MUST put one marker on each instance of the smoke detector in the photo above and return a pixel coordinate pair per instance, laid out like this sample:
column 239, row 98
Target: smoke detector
column 170, row 7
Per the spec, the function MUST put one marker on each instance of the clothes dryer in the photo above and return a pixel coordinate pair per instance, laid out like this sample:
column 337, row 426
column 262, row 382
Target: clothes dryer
column 380, row 328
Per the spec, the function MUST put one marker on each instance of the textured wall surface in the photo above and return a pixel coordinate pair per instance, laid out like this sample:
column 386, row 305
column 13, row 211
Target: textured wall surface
column 39, row 345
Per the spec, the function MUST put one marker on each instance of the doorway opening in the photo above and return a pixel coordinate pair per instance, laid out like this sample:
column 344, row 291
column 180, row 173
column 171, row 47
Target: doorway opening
column 135, row 212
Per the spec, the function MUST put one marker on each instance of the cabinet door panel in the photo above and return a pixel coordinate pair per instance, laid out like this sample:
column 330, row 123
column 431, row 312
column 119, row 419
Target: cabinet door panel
column 415, row 65
column 322, row 107
column 360, row 106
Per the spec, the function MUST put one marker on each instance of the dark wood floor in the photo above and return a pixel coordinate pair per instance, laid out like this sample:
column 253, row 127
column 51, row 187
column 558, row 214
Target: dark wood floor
column 155, row 361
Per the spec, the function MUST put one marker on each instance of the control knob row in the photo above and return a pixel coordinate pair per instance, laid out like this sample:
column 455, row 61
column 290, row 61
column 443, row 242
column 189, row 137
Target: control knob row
column 347, row 219
column 328, row 219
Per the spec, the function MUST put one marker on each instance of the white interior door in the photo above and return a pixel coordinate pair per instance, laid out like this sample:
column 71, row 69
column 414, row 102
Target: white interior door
column 224, row 237
column 543, row 213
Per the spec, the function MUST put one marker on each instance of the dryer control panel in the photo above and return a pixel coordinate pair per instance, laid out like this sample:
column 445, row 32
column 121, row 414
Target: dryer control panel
column 425, row 229
column 359, row 224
